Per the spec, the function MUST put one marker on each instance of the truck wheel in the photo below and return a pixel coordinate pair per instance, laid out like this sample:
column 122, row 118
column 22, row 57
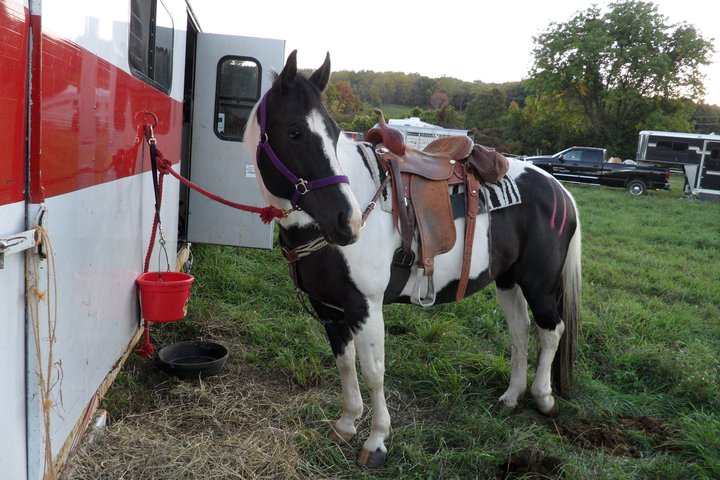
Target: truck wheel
column 636, row 187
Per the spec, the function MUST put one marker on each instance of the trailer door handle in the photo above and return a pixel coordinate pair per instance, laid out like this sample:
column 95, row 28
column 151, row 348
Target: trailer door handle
column 17, row 243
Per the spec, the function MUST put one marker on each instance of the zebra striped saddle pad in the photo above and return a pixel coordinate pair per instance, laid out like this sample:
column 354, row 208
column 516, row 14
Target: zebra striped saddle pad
column 497, row 195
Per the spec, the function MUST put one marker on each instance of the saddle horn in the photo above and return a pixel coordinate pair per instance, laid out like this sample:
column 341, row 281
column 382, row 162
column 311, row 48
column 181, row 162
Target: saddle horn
column 385, row 134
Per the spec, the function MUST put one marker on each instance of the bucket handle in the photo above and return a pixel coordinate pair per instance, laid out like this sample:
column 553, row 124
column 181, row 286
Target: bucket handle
column 162, row 242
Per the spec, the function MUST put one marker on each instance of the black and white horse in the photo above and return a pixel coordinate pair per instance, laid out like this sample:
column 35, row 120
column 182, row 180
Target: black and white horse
column 531, row 250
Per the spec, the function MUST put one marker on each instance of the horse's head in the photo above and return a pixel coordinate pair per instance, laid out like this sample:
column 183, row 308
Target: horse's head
column 296, row 153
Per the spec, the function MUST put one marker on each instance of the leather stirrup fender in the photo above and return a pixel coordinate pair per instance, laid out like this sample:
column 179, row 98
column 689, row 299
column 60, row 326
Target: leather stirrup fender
column 472, row 191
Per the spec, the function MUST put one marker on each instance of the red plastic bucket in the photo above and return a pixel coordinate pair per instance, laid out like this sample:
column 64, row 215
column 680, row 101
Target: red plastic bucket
column 164, row 295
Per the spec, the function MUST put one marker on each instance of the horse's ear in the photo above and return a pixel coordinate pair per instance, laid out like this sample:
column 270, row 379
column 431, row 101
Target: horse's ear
column 289, row 71
column 321, row 76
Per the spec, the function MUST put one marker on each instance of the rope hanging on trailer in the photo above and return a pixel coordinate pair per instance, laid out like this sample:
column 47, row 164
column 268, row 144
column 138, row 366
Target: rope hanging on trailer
column 160, row 167
column 43, row 322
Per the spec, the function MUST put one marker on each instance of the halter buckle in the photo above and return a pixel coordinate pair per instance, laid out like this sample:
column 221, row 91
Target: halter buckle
column 302, row 186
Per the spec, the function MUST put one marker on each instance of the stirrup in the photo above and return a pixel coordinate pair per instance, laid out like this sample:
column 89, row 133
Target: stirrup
column 429, row 298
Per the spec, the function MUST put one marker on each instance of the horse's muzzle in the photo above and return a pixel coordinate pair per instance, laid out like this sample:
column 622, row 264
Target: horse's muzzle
column 346, row 231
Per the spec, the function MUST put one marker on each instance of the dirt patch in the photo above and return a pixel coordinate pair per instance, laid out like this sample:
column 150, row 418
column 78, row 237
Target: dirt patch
column 531, row 464
column 624, row 436
column 630, row 437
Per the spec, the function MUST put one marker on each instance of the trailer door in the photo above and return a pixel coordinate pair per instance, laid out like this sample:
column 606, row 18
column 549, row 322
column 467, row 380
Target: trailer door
column 231, row 74
column 709, row 178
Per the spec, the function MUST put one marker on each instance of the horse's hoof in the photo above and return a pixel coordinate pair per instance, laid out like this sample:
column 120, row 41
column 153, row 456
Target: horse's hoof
column 341, row 438
column 553, row 410
column 370, row 459
column 503, row 409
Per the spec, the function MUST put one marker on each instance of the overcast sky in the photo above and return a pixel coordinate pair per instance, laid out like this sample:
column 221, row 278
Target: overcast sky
column 466, row 39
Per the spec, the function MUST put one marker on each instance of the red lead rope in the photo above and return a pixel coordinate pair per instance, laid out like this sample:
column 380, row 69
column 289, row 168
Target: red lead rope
column 267, row 214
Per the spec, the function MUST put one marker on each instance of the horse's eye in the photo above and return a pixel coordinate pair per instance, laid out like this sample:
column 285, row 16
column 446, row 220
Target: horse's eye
column 294, row 134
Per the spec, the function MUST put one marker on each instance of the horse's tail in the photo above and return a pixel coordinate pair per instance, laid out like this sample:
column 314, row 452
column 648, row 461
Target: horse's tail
column 564, row 362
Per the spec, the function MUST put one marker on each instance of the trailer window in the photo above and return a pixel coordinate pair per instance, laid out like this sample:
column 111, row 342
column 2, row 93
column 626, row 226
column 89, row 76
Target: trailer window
column 674, row 146
column 150, row 43
column 238, row 90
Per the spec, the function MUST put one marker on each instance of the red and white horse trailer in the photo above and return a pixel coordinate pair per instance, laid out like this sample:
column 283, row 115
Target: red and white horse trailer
column 80, row 82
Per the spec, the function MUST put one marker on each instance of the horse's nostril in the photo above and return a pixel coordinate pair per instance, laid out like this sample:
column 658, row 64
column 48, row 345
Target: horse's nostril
column 346, row 228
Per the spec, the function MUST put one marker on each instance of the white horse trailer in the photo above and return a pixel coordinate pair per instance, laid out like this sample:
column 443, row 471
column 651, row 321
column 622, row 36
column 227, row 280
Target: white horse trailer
column 419, row 134
column 697, row 154
column 81, row 83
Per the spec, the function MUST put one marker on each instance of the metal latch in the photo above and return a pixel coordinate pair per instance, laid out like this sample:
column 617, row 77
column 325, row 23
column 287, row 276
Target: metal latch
column 17, row 243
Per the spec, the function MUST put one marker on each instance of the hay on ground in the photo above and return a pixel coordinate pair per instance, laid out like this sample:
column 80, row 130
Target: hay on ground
column 236, row 425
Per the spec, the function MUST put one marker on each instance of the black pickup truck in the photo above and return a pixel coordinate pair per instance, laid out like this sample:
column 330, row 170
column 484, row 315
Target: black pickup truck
column 591, row 165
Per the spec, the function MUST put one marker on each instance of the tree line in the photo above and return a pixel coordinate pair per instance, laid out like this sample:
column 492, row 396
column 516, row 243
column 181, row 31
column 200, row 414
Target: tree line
column 597, row 80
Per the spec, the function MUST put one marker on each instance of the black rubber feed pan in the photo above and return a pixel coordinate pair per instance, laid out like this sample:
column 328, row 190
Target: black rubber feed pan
column 192, row 359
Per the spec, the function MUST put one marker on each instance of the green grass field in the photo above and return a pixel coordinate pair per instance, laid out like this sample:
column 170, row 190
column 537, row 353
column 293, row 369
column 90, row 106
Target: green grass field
column 648, row 394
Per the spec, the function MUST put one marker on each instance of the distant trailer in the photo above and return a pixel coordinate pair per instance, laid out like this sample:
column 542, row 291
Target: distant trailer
column 418, row 133
column 698, row 155
column 357, row 136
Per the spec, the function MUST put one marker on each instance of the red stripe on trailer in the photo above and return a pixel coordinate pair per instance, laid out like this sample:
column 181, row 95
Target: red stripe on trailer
column 14, row 28
column 91, row 114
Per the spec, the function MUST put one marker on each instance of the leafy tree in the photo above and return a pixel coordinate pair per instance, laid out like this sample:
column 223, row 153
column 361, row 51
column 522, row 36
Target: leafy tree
column 517, row 92
column 439, row 100
column 340, row 98
column 517, row 130
column 553, row 123
column 514, row 126
column 671, row 115
column 406, row 93
column 416, row 112
column 446, row 117
column 707, row 118
column 616, row 66
column 386, row 87
column 485, row 109
column 360, row 123
column 346, row 97
column 458, row 91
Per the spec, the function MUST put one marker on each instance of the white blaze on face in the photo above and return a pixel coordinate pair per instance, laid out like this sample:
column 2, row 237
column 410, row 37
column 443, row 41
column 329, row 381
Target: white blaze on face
column 316, row 123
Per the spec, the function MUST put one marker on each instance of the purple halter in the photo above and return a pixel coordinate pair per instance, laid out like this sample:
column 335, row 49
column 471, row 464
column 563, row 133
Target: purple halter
column 302, row 186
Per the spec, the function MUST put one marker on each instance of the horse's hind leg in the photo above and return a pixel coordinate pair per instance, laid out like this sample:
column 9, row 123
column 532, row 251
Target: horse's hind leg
column 541, row 388
column 344, row 350
column 513, row 304
column 550, row 330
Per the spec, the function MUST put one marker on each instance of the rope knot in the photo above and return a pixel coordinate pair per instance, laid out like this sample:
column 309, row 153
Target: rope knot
column 147, row 349
column 267, row 214
column 163, row 165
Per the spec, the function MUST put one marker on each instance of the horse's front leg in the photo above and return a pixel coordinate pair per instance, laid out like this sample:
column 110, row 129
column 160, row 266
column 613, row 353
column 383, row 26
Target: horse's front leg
column 370, row 344
column 344, row 350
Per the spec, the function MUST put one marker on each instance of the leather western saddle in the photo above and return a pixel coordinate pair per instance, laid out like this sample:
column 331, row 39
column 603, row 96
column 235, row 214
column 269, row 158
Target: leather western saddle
column 421, row 201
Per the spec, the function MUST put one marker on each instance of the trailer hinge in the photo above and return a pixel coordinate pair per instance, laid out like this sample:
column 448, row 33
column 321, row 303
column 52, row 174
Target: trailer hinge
column 18, row 243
